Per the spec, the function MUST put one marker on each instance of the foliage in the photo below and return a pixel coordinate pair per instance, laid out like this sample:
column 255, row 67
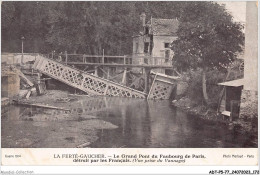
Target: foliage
column 80, row 26
column 208, row 38
column 194, row 90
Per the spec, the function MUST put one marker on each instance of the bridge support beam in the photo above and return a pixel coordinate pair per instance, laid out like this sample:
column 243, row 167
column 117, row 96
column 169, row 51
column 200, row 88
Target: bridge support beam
column 96, row 71
column 108, row 73
column 147, row 73
column 124, row 76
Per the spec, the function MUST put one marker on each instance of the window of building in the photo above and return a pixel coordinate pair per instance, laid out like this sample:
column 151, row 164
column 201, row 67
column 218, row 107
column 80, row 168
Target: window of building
column 146, row 30
column 166, row 45
column 146, row 47
column 167, row 55
column 136, row 47
column 167, row 52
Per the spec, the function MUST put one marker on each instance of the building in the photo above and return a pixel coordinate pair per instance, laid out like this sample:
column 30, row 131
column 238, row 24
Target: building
column 152, row 45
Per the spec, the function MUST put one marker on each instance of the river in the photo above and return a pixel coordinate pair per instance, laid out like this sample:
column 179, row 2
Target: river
column 140, row 124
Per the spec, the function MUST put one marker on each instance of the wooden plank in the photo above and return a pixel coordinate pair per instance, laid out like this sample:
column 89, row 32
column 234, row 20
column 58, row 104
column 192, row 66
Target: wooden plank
column 24, row 78
column 149, row 94
column 28, row 94
column 164, row 81
column 41, row 105
column 226, row 113
column 83, row 145
column 124, row 77
column 166, row 76
column 78, row 95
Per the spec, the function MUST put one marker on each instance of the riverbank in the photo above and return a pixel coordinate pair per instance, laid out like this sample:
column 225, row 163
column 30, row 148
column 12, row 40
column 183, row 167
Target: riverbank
column 247, row 127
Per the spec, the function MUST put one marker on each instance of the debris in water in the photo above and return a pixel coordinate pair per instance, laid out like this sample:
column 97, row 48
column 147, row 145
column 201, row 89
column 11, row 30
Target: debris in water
column 62, row 100
column 40, row 105
column 83, row 145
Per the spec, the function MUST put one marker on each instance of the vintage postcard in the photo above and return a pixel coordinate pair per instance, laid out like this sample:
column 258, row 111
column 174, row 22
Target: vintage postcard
column 129, row 83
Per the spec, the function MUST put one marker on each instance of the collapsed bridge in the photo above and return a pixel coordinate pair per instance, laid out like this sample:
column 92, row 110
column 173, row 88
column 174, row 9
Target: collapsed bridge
column 84, row 81
column 157, row 86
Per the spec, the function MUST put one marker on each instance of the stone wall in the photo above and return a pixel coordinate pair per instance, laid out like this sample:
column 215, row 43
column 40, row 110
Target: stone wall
column 249, row 104
column 16, row 58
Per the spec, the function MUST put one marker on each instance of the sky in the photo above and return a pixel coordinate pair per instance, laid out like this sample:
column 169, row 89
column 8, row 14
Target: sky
column 237, row 10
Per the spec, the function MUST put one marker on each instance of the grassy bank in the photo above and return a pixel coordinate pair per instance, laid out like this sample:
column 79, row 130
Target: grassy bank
column 192, row 102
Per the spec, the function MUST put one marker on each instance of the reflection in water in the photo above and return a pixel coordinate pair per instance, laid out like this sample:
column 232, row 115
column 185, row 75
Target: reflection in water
column 147, row 126
column 10, row 113
column 147, row 123
column 141, row 123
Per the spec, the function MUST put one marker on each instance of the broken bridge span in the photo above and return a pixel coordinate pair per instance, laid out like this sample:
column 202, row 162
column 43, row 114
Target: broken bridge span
column 88, row 83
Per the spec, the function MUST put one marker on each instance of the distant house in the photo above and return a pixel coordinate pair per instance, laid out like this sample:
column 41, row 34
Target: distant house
column 152, row 45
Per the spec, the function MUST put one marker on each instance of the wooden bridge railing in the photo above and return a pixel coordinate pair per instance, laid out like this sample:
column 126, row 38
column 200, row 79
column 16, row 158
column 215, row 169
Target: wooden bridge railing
column 136, row 59
column 151, row 60
column 96, row 58
column 125, row 59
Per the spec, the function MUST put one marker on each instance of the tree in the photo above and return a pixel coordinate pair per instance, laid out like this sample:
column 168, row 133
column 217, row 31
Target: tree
column 82, row 27
column 23, row 19
column 208, row 38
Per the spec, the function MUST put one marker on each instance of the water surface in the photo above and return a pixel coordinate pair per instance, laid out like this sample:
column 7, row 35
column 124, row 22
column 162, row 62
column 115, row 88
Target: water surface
column 141, row 124
column 148, row 123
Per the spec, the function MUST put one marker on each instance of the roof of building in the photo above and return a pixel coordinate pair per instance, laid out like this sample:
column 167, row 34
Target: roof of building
column 164, row 26
column 233, row 83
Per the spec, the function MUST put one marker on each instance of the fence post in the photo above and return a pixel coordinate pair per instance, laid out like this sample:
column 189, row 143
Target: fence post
column 124, row 59
column 103, row 57
column 124, row 76
column 96, row 71
column 66, row 57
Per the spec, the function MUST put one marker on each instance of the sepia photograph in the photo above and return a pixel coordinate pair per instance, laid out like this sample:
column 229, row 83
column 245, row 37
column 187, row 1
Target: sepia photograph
column 129, row 74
